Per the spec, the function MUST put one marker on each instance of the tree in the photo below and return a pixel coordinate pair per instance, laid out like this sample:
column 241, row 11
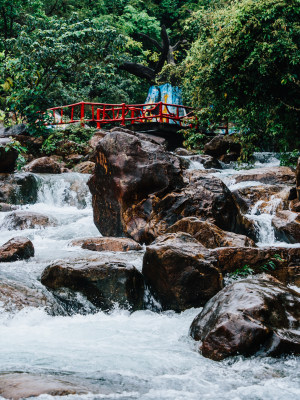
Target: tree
column 245, row 67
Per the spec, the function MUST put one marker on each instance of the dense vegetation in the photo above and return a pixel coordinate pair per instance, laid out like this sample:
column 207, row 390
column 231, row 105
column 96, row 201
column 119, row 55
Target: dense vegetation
column 238, row 61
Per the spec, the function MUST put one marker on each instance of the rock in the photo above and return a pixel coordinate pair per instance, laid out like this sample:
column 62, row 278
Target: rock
column 183, row 152
column 221, row 145
column 104, row 284
column 295, row 206
column 4, row 207
column 270, row 198
column 94, row 140
column 127, row 171
column 43, row 165
column 298, row 179
column 143, row 136
column 180, row 273
column 17, row 386
column 17, row 248
column 107, row 244
column 258, row 315
column 268, row 175
column 7, row 159
column 207, row 161
column 281, row 262
column 287, row 226
column 20, row 188
column 20, row 220
column 209, row 235
column 74, row 159
column 85, row 167
column 13, row 131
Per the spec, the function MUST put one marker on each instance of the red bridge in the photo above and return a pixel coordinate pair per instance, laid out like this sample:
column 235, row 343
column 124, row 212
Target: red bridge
column 101, row 114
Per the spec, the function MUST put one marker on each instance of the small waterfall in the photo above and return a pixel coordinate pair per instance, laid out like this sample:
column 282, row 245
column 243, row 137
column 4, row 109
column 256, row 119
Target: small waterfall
column 69, row 189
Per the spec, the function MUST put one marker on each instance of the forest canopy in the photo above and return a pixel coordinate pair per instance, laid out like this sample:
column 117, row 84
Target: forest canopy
column 236, row 60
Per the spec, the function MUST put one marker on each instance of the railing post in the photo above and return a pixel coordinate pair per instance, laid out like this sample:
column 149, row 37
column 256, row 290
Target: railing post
column 98, row 119
column 160, row 111
column 72, row 114
column 82, row 113
column 61, row 115
column 132, row 116
column 123, row 114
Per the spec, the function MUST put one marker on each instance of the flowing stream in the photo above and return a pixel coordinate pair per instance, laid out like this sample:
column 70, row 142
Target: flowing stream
column 142, row 355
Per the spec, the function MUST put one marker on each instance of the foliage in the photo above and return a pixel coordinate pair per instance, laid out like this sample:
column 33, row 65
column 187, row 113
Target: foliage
column 289, row 159
column 244, row 67
column 246, row 270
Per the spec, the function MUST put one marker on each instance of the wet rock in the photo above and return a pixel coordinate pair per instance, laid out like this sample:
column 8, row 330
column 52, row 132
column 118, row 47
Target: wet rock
column 107, row 244
column 17, row 386
column 287, row 226
column 20, row 188
column 258, row 315
column 207, row 161
column 85, row 167
column 20, row 220
column 281, row 262
column 270, row 198
column 4, row 207
column 209, row 234
column 103, row 284
column 180, row 273
column 74, row 159
column 17, row 248
column 127, row 171
column 268, row 175
column 220, row 146
column 13, row 131
column 160, row 141
column 43, row 165
column 8, row 159
column 180, row 151
column 295, row 206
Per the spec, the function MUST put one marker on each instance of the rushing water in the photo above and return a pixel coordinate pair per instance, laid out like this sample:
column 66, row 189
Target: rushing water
column 143, row 355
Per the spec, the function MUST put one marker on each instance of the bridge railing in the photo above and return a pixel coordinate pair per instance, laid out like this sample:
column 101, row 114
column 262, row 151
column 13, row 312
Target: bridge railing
column 102, row 114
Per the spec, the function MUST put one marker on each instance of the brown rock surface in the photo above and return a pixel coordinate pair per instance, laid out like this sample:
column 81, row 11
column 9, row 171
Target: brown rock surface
column 107, row 244
column 209, row 234
column 17, row 386
column 179, row 271
column 104, row 284
column 287, row 226
column 221, row 145
column 298, row 179
column 26, row 220
column 249, row 316
column 17, row 248
column 268, row 175
column 43, row 165
column 85, row 167
column 20, row 188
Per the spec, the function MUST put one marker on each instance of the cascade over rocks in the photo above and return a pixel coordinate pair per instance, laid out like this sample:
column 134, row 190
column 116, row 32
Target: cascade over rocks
column 180, row 272
column 257, row 315
column 224, row 148
column 17, row 248
column 209, row 235
column 139, row 191
column 43, row 165
column 26, row 220
column 103, row 283
column 20, row 188
column 107, row 244
column 207, row 161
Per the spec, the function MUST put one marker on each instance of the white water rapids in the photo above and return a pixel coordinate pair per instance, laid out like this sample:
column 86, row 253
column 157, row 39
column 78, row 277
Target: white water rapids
column 144, row 355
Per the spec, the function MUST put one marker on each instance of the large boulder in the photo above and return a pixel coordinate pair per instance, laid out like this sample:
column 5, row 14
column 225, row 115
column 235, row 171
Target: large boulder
column 127, row 171
column 287, row 226
column 17, row 248
column 180, row 273
column 268, row 175
column 209, row 234
column 43, row 165
column 20, row 188
column 104, row 284
column 298, row 179
column 107, row 244
column 26, row 220
column 13, row 131
column 258, row 315
column 8, row 158
column 224, row 148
